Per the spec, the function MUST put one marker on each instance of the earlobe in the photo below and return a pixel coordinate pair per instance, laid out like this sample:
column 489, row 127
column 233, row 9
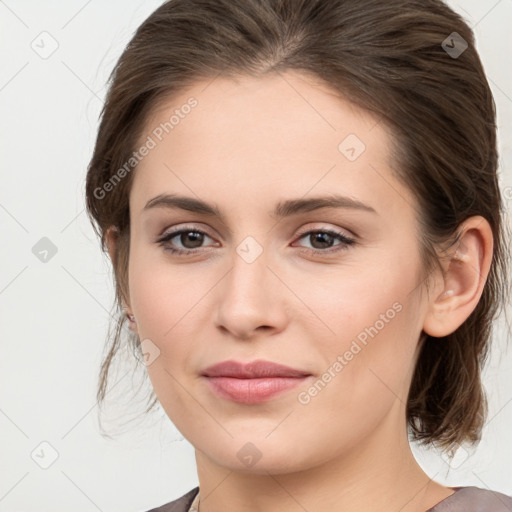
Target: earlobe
column 465, row 274
column 131, row 321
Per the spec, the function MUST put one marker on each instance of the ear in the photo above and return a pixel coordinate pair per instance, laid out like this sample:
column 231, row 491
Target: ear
column 465, row 273
column 111, row 241
column 111, row 236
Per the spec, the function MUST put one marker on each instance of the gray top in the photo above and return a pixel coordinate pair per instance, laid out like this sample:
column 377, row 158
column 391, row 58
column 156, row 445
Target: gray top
column 465, row 499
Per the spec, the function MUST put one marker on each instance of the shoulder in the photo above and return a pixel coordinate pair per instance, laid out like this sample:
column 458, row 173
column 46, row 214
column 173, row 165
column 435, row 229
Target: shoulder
column 474, row 499
column 181, row 504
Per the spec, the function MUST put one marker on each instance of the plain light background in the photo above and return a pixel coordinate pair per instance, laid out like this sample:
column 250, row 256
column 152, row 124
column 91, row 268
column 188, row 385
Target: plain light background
column 54, row 314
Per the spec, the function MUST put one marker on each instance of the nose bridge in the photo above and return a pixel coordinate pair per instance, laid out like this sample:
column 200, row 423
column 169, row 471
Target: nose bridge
column 249, row 296
column 248, row 277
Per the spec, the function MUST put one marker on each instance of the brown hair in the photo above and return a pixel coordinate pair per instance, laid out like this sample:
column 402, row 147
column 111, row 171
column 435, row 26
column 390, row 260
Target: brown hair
column 406, row 62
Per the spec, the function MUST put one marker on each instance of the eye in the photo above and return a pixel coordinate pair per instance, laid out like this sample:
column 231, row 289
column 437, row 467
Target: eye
column 323, row 239
column 191, row 239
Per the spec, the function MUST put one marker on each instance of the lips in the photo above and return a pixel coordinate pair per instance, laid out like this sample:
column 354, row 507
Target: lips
column 253, row 370
column 252, row 383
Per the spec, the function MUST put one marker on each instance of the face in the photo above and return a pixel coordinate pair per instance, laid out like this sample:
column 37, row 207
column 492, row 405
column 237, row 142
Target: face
column 331, row 290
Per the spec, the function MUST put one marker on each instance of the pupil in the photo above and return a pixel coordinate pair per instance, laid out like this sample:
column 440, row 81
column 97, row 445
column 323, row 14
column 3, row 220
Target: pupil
column 191, row 234
column 322, row 237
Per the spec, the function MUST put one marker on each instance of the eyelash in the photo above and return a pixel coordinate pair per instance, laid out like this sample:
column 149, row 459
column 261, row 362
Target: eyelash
column 345, row 241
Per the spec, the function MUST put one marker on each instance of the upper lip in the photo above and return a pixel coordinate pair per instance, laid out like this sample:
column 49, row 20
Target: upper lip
column 252, row 370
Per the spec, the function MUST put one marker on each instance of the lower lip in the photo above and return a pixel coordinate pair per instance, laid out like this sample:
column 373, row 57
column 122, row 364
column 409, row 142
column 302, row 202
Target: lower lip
column 252, row 391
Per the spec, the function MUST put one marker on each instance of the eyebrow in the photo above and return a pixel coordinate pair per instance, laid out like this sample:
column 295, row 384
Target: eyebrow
column 282, row 209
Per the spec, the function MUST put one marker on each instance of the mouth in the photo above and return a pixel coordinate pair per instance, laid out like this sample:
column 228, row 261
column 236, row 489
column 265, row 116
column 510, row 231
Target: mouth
column 254, row 382
column 253, row 370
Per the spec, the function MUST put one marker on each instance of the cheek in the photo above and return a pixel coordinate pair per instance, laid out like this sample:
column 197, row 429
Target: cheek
column 164, row 300
column 377, row 325
column 164, row 296
column 366, row 375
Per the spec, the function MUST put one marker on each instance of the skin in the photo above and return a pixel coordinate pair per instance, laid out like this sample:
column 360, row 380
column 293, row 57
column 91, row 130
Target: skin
column 247, row 145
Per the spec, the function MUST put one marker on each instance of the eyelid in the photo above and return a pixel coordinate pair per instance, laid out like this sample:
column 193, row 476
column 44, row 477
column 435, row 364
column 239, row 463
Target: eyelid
column 184, row 226
column 345, row 241
column 169, row 234
column 305, row 231
column 339, row 231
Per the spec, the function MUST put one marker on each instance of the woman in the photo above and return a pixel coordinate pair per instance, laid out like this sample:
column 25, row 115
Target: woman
column 300, row 201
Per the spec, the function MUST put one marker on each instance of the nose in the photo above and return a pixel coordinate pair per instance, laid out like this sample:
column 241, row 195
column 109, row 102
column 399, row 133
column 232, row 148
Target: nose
column 251, row 299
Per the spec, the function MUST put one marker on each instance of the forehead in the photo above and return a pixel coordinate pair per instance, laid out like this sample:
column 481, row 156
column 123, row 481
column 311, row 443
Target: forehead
column 253, row 136
column 288, row 105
